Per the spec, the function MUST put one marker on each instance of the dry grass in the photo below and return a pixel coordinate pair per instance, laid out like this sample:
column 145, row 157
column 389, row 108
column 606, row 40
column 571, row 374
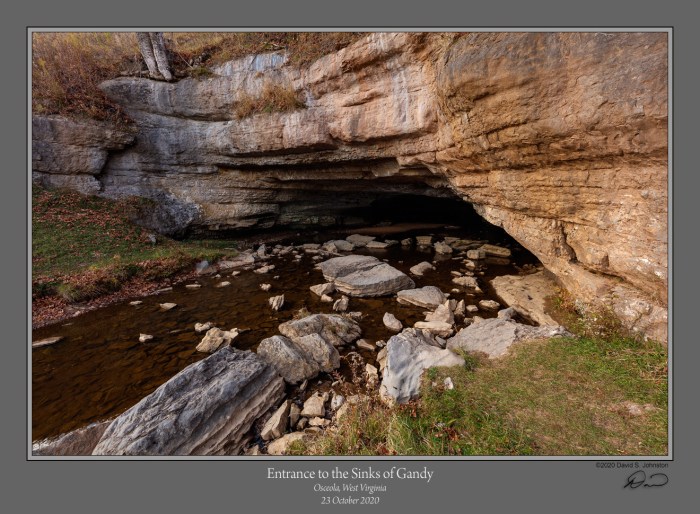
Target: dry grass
column 272, row 98
column 67, row 67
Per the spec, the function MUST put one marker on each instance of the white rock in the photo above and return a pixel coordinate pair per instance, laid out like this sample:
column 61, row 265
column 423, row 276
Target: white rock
column 377, row 245
column 136, row 302
column 443, row 248
column 365, row 345
column 223, row 284
column 313, row 407
column 342, row 304
column 449, row 385
column 145, row 337
column 323, row 289
column 392, row 323
column 47, row 341
column 428, row 296
column 203, row 327
column 193, row 286
column 435, row 327
column 472, row 309
column 265, row 287
column 167, row 306
column 337, row 401
column 276, row 302
column 489, row 305
column 421, row 268
column 326, row 298
column 216, row 338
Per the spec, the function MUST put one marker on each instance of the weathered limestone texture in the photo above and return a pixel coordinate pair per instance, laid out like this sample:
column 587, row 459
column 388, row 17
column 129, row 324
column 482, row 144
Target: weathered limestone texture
column 559, row 138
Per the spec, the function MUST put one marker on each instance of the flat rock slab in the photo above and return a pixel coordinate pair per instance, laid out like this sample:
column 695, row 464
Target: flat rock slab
column 281, row 446
column 495, row 251
column 526, row 294
column 342, row 266
column 496, row 335
column 429, row 297
column 381, row 280
column 287, row 358
column 408, row 354
column 358, row 240
column 333, row 328
column 46, row 342
column 206, row 409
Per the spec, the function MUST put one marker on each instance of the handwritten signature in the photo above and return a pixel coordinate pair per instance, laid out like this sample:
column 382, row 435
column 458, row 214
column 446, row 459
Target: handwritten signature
column 639, row 479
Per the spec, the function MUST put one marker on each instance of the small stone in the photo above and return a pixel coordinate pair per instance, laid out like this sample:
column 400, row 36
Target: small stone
column 469, row 282
column 342, row 304
column 435, row 327
column 443, row 248
column 303, row 386
column 365, row 345
column 223, row 284
column 164, row 290
column 489, row 305
column 460, row 309
column 235, row 273
column 372, row 374
column 136, row 302
column 276, row 302
column 265, row 287
column 276, row 426
column 193, row 286
column 319, row 422
column 476, row 254
column 204, row 268
column 203, row 327
column 301, row 425
column 314, row 407
column 337, row 401
column 472, row 309
column 46, row 342
column 262, row 251
column 377, row 245
column 407, row 242
column 392, row 323
column 421, row 268
column 495, row 251
column 323, row 289
column 265, row 269
column 448, row 384
column 424, row 240
column 216, row 338
column 167, row 306
column 380, row 344
column 326, row 298
column 145, row 337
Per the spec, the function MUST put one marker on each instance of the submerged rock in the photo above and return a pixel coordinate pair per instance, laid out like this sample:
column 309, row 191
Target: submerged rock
column 496, row 335
column 206, row 409
column 358, row 240
column 203, row 327
column 143, row 338
column 443, row 248
column 428, row 296
column 322, row 289
column 167, row 306
column 408, row 354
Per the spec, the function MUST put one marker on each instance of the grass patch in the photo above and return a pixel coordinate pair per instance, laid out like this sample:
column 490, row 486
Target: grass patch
column 84, row 247
column 272, row 98
column 554, row 397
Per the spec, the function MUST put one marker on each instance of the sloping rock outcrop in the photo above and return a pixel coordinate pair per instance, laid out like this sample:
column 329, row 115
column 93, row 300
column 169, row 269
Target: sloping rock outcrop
column 559, row 138
column 495, row 336
column 206, row 409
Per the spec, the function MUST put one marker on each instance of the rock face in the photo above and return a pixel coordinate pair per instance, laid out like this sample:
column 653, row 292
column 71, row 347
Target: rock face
column 495, row 336
column 363, row 276
column 78, row 442
column 70, row 154
column 559, row 138
column 206, row 409
column 301, row 358
column 526, row 294
column 408, row 354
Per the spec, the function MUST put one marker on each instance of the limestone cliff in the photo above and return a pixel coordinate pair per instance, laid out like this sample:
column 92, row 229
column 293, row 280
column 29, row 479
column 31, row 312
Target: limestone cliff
column 560, row 138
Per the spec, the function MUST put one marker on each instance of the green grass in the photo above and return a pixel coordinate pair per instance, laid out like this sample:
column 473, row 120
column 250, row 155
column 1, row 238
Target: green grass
column 554, row 397
column 85, row 246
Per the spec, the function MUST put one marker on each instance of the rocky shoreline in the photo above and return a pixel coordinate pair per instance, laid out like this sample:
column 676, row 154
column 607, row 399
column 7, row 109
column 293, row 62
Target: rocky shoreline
column 242, row 402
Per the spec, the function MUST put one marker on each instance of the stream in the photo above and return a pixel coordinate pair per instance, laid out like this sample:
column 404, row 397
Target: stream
column 99, row 369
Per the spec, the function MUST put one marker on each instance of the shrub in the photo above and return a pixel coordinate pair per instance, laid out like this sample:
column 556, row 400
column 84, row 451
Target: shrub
column 272, row 98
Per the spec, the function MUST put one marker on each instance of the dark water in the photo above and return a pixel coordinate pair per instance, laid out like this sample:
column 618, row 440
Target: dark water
column 100, row 368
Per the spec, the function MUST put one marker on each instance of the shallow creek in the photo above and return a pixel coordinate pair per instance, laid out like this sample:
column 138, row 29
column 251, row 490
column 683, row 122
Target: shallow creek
column 100, row 368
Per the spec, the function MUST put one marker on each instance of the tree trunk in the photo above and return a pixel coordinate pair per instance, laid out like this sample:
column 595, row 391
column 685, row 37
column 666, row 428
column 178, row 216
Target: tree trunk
column 158, row 43
column 147, row 53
